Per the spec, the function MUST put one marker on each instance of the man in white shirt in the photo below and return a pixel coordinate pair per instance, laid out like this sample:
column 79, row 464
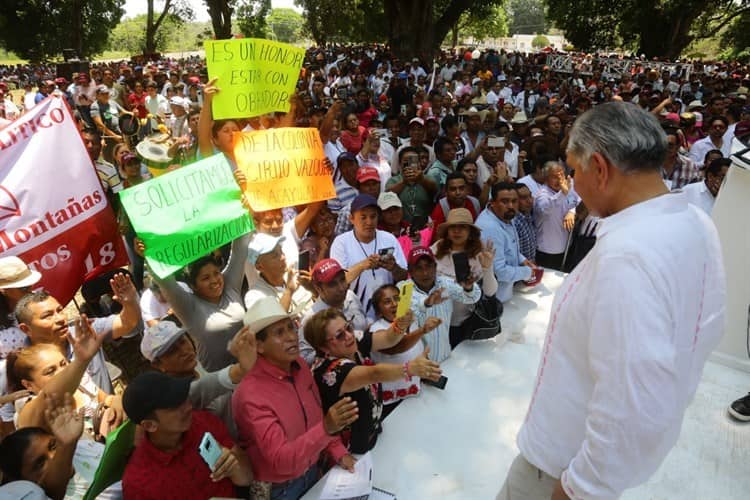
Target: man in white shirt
column 632, row 325
column 372, row 257
column 703, row 194
column 554, row 216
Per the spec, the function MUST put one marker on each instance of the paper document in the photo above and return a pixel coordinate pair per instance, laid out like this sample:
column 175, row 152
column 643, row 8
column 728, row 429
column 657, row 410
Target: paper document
column 344, row 485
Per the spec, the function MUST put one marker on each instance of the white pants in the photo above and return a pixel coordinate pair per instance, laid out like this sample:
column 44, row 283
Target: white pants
column 526, row 482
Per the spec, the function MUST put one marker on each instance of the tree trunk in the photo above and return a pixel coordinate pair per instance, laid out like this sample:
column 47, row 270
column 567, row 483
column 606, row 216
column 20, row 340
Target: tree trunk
column 665, row 36
column 76, row 32
column 413, row 29
column 454, row 36
column 221, row 18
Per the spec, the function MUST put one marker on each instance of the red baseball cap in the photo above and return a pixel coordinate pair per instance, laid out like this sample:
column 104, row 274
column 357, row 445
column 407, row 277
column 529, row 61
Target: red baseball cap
column 417, row 253
column 365, row 174
column 326, row 270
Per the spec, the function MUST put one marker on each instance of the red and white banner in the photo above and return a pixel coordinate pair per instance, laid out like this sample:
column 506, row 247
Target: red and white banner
column 54, row 214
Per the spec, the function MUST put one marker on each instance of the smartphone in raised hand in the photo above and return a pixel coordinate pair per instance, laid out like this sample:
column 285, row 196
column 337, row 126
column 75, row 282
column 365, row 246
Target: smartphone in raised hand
column 461, row 265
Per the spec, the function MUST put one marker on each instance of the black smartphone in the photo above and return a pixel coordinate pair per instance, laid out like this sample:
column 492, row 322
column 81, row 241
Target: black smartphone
column 385, row 251
column 304, row 260
column 341, row 93
column 461, row 264
column 440, row 384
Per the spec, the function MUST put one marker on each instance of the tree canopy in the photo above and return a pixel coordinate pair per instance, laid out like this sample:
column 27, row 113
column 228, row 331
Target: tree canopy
column 40, row 29
column 653, row 27
column 285, row 25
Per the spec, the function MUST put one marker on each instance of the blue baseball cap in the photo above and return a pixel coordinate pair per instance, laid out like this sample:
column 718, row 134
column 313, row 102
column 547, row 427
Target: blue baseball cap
column 363, row 201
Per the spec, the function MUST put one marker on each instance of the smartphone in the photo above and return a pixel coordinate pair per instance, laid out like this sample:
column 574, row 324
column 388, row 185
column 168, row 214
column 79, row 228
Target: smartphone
column 304, row 260
column 496, row 142
column 440, row 384
column 341, row 93
column 210, row 450
column 403, row 109
column 461, row 264
column 385, row 251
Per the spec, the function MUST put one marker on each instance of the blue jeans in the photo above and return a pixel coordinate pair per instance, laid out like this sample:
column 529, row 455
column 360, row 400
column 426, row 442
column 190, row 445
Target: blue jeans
column 295, row 488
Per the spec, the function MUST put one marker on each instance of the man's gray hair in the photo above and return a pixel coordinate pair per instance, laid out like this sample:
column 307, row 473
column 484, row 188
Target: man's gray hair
column 550, row 166
column 627, row 136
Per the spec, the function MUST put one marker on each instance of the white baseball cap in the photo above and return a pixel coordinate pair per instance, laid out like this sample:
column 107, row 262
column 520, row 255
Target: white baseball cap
column 388, row 200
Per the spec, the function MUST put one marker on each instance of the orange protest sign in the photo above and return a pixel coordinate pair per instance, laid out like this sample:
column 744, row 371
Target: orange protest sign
column 284, row 167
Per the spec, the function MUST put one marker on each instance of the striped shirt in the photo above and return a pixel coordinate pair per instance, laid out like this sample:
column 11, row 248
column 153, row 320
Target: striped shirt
column 438, row 339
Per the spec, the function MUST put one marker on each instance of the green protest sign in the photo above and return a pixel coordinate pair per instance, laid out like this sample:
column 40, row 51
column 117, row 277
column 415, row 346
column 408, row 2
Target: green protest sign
column 187, row 213
column 255, row 76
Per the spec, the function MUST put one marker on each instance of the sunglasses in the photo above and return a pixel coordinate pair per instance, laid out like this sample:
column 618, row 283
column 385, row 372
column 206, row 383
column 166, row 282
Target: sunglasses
column 340, row 336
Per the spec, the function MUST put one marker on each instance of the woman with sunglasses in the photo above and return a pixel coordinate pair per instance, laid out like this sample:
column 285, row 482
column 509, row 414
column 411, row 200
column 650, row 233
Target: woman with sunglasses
column 344, row 368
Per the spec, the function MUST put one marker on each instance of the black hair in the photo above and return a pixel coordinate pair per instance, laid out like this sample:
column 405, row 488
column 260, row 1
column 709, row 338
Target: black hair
column 453, row 176
column 502, row 186
column 22, row 307
column 407, row 149
column 192, row 271
column 712, row 152
column 378, row 294
column 715, row 166
column 448, row 122
column 463, row 162
column 735, row 110
column 722, row 119
column 218, row 124
column 441, row 143
column 12, row 450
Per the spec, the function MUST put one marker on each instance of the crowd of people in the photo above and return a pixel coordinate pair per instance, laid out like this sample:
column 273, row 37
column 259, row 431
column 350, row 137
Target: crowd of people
column 285, row 347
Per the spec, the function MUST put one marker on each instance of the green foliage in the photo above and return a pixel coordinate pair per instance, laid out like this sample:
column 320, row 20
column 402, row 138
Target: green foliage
column 40, row 29
column 251, row 18
column 736, row 39
column 527, row 16
column 285, row 25
column 540, row 41
column 490, row 21
column 335, row 21
column 173, row 36
column 653, row 27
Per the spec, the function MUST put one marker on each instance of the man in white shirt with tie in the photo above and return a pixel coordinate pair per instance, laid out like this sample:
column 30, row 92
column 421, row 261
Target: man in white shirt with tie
column 632, row 326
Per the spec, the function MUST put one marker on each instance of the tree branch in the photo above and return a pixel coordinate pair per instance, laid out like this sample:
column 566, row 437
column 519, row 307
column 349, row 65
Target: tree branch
column 167, row 6
column 449, row 17
column 726, row 21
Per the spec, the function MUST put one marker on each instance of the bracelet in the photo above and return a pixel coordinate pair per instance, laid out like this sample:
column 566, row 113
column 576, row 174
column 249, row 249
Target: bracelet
column 397, row 328
column 407, row 377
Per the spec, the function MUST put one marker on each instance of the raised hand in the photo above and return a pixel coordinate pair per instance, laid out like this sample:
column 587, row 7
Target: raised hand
column 340, row 415
column 431, row 323
column 405, row 321
column 244, row 348
column 85, row 342
column 210, row 89
column 487, row 255
column 435, row 298
column 62, row 418
column 423, row 367
column 239, row 177
column 124, row 289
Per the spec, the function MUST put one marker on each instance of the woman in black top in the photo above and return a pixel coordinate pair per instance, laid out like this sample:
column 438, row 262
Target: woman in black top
column 343, row 368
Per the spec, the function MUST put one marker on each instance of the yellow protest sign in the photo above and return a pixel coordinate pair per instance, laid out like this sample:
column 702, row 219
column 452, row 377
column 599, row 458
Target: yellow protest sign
column 255, row 76
column 284, row 167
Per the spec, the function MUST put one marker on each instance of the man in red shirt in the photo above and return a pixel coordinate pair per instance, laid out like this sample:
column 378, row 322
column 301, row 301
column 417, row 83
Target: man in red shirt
column 277, row 407
column 167, row 463
column 456, row 196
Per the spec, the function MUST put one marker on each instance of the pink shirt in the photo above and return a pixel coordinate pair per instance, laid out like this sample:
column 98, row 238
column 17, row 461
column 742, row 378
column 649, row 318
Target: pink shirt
column 280, row 421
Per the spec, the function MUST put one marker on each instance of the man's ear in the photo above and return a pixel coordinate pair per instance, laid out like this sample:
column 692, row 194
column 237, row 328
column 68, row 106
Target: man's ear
column 149, row 425
column 24, row 328
column 602, row 172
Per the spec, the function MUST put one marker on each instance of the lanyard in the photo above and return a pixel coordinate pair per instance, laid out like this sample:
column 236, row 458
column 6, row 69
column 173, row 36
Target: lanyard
column 363, row 248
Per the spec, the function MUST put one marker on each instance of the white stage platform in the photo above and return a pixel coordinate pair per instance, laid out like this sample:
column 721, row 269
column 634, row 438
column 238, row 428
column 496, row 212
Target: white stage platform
column 458, row 444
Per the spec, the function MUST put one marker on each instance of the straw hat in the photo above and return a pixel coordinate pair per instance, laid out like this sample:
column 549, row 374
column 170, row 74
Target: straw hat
column 14, row 273
column 457, row 216
column 263, row 313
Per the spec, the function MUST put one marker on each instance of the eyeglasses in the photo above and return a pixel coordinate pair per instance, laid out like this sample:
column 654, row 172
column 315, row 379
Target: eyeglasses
column 340, row 336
